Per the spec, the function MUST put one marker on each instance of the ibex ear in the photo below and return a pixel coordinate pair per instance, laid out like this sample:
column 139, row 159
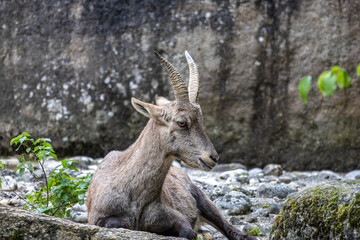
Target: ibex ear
column 149, row 110
column 161, row 101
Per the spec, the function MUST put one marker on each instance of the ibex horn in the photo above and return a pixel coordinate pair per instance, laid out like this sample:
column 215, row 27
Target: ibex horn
column 193, row 79
column 180, row 90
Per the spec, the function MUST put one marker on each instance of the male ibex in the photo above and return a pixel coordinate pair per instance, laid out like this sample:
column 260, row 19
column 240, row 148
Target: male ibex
column 138, row 189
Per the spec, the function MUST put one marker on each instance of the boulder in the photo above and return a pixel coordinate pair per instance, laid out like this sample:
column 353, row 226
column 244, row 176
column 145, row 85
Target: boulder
column 327, row 211
column 21, row 224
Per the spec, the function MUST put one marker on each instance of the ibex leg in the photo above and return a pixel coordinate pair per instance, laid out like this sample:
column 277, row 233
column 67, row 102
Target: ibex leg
column 213, row 216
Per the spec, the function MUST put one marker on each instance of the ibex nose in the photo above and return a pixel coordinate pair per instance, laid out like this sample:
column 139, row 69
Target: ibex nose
column 215, row 157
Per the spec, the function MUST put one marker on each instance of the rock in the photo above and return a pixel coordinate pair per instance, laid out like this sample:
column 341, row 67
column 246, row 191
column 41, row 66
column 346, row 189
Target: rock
column 83, row 162
column 255, row 171
column 251, row 229
column 243, row 207
column 327, row 174
column 252, row 218
column 233, row 199
column 273, row 169
column 228, row 167
column 243, row 179
column 355, row 174
column 10, row 163
column 20, row 224
column 275, row 190
column 274, row 208
column 79, row 208
column 262, row 212
column 285, row 179
column 80, row 217
column 51, row 164
column 254, row 181
column 271, row 178
column 327, row 211
column 8, row 183
column 233, row 176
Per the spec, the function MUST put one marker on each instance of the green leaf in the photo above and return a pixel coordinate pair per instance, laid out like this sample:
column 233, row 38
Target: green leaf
column 335, row 69
column 327, row 83
column 73, row 168
column 358, row 70
column 304, row 87
column 21, row 173
column 68, row 213
column 54, row 155
column 343, row 79
column 30, row 166
column 28, row 149
column 22, row 139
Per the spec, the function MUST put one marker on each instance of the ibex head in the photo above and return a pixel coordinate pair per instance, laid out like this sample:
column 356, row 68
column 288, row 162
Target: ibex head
column 180, row 121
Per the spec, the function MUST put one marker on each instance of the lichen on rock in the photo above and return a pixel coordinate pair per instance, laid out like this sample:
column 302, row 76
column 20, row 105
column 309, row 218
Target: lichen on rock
column 327, row 211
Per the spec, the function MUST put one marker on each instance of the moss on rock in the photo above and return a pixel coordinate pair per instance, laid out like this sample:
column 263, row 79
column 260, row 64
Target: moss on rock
column 328, row 211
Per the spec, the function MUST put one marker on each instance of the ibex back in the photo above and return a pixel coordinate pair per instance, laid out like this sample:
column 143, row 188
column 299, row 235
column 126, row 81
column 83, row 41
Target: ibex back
column 138, row 189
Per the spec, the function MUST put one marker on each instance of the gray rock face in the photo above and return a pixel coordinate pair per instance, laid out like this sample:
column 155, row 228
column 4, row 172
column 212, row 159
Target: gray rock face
column 20, row 224
column 68, row 72
column 327, row 211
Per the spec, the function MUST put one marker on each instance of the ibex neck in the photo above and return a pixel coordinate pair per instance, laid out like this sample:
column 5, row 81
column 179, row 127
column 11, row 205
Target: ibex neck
column 149, row 162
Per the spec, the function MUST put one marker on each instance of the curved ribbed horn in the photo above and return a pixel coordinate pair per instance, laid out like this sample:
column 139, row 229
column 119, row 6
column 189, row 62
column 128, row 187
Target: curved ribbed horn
column 180, row 90
column 193, row 79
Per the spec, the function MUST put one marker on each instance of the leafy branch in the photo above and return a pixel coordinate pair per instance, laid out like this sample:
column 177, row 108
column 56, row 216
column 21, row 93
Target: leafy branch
column 327, row 82
column 60, row 191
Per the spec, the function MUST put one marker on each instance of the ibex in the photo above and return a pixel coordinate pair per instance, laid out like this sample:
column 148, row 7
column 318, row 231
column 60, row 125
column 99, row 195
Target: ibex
column 138, row 188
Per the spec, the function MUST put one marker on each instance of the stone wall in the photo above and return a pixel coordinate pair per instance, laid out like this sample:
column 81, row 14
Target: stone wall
column 69, row 68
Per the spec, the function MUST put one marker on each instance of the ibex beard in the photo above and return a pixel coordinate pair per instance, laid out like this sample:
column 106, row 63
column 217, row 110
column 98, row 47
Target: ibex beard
column 138, row 188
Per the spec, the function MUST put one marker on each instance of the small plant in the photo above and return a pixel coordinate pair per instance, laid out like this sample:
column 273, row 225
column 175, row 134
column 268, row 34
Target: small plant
column 2, row 167
column 60, row 190
column 255, row 232
column 327, row 83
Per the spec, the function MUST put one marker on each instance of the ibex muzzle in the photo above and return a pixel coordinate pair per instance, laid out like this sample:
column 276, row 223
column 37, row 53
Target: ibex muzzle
column 138, row 189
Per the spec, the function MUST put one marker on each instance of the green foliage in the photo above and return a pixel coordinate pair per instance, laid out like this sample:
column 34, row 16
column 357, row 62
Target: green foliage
column 304, row 87
column 327, row 83
column 358, row 70
column 256, row 232
column 60, row 190
column 2, row 167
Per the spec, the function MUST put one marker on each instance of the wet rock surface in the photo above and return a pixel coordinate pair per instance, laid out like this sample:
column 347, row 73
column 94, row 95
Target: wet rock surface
column 68, row 72
column 247, row 204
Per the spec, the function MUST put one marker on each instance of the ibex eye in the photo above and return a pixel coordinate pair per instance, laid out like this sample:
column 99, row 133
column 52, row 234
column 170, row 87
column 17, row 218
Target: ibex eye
column 182, row 124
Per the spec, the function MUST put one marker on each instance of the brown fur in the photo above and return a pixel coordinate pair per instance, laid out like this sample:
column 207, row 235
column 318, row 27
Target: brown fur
column 138, row 189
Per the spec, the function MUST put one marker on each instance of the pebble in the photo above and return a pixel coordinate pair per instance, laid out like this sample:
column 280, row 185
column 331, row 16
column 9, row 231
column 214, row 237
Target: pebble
column 228, row 167
column 352, row 175
column 274, row 190
column 255, row 171
column 327, row 174
column 274, row 208
column 273, row 169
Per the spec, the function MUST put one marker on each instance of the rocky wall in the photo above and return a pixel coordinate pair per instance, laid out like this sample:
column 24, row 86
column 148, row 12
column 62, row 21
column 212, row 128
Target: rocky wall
column 68, row 70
